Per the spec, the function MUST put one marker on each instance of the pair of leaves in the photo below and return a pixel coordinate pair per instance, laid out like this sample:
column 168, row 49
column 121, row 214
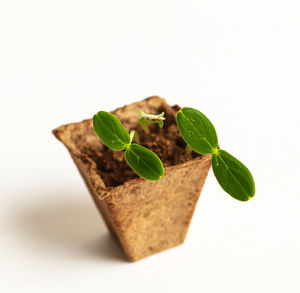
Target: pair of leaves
column 113, row 134
column 200, row 134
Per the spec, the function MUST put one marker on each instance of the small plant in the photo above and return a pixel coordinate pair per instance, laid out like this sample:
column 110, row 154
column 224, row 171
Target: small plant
column 150, row 118
column 113, row 134
column 200, row 135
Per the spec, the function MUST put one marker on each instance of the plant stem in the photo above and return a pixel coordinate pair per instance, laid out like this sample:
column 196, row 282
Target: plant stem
column 188, row 150
column 134, row 136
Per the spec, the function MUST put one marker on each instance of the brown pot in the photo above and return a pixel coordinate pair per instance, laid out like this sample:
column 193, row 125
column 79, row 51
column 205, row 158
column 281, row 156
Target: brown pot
column 145, row 216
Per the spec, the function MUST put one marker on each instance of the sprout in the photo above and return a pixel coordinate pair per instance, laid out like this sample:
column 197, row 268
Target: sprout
column 150, row 118
column 113, row 134
column 199, row 134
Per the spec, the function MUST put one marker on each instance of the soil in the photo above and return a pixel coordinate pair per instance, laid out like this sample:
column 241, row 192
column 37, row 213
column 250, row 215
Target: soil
column 166, row 142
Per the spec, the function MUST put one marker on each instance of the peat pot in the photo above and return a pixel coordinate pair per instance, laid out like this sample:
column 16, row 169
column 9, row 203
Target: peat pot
column 146, row 217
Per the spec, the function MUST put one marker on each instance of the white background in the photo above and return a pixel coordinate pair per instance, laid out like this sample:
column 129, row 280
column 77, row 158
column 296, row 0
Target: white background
column 236, row 61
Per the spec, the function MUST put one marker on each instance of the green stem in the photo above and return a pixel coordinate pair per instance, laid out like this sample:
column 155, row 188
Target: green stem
column 134, row 136
column 188, row 150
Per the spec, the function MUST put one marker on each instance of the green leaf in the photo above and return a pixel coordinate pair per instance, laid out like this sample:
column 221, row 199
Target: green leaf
column 233, row 176
column 144, row 162
column 197, row 131
column 110, row 130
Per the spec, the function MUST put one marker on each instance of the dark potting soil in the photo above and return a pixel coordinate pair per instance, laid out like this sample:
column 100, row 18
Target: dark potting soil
column 166, row 142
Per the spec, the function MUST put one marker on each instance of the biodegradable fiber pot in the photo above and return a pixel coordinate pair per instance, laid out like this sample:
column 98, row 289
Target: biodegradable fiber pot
column 145, row 216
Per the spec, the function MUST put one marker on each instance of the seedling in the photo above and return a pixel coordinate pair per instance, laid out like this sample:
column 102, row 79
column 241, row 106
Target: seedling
column 113, row 134
column 199, row 134
column 150, row 118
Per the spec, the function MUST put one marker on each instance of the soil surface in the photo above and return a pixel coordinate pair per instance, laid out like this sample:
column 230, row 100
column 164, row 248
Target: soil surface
column 166, row 142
